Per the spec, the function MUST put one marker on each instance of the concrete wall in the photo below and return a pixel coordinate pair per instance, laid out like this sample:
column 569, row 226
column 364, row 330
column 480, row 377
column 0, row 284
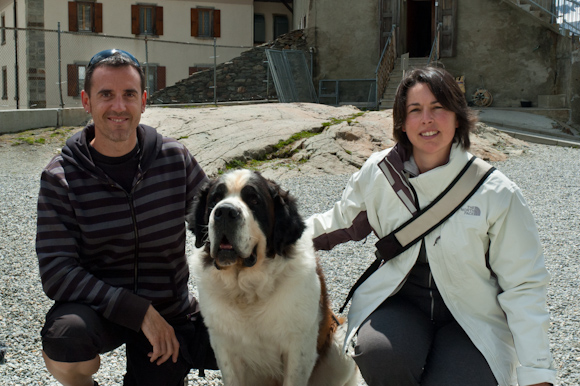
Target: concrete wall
column 14, row 121
column 345, row 35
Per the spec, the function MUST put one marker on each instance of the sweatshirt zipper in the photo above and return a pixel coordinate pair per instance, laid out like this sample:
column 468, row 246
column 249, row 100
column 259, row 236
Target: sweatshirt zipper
column 130, row 197
column 135, row 230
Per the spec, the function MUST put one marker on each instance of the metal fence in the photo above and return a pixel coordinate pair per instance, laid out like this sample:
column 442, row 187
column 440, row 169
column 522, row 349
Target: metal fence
column 43, row 68
column 291, row 76
column 361, row 93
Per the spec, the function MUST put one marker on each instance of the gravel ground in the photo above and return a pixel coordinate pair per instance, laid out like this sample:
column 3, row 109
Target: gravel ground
column 549, row 177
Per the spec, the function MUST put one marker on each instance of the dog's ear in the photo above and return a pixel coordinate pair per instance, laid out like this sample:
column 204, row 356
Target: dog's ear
column 197, row 219
column 288, row 224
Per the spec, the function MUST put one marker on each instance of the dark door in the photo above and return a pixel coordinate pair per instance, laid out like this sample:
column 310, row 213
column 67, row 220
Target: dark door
column 420, row 26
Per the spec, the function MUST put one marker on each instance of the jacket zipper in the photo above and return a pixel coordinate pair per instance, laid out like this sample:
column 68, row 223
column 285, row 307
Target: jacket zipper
column 431, row 295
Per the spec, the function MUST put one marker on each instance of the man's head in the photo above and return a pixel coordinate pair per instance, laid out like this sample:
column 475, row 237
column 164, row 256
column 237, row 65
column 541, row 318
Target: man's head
column 114, row 95
column 113, row 58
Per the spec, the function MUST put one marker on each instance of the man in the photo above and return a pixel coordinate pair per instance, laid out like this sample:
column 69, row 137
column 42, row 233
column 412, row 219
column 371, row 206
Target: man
column 111, row 240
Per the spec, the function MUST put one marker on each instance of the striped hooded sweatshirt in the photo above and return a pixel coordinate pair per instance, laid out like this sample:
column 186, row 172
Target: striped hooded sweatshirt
column 117, row 251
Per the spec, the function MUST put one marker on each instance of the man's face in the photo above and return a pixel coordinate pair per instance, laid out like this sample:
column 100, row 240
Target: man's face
column 116, row 103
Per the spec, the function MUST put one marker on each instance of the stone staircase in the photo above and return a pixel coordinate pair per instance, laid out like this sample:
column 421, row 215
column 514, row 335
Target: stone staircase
column 395, row 78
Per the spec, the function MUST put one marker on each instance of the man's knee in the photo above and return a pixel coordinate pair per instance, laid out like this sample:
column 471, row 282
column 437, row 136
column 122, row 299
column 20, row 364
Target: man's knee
column 72, row 333
column 85, row 368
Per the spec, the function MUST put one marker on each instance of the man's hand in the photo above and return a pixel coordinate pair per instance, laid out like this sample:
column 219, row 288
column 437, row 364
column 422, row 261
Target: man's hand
column 161, row 336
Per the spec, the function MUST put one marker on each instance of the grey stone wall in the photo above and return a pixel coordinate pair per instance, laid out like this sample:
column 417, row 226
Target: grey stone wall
column 35, row 58
column 509, row 53
column 243, row 78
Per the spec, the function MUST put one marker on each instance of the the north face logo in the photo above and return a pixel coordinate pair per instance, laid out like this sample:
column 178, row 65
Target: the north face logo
column 471, row 210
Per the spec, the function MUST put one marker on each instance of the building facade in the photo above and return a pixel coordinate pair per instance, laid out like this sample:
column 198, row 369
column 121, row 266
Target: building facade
column 46, row 45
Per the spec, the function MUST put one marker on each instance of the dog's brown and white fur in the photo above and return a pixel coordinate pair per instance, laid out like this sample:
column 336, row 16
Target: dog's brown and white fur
column 261, row 291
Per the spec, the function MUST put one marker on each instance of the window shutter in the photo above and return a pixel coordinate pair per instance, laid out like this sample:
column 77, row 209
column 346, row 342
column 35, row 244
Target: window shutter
column 72, row 78
column 161, row 82
column 135, row 19
column 158, row 21
column 98, row 26
column 449, row 19
column 73, row 25
column 194, row 22
column 216, row 23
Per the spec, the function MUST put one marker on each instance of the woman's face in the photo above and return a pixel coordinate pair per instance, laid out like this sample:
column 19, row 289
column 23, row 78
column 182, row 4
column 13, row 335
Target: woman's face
column 430, row 128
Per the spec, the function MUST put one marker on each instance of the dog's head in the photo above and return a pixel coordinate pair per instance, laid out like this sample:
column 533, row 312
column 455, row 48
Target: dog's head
column 241, row 217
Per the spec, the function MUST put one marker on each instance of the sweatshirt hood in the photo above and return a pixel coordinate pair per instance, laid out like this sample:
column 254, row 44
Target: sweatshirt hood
column 76, row 149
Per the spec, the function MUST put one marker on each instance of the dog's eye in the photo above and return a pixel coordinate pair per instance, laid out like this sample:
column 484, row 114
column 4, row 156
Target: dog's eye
column 213, row 201
column 251, row 199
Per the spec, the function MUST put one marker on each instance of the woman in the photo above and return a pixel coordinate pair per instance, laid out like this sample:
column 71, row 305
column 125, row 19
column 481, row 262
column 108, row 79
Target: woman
column 467, row 304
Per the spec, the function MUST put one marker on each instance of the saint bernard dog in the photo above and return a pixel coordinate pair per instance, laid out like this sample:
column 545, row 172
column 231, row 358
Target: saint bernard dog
column 261, row 290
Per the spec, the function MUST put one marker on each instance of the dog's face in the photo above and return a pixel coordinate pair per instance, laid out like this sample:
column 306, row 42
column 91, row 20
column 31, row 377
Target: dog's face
column 242, row 218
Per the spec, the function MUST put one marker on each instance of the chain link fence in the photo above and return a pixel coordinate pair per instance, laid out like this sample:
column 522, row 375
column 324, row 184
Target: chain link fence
column 43, row 68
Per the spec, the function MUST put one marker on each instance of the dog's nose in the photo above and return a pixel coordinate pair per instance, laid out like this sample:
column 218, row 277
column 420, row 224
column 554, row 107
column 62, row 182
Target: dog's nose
column 226, row 212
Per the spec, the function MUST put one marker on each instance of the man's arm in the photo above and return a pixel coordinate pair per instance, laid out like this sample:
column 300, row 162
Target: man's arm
column 64, row 278
column 161, row 336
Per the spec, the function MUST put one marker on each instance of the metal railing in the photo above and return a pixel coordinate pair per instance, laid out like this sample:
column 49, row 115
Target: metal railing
column 386, row 64
column 565, row 13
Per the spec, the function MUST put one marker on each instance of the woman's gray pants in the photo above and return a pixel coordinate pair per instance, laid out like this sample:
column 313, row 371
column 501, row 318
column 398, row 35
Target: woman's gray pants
column 399, row 345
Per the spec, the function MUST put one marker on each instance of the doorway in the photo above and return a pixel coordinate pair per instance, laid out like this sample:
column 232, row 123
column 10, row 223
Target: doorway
column 420, row 21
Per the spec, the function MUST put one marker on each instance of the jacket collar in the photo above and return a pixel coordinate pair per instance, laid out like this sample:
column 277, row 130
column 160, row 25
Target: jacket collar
column 430, row 184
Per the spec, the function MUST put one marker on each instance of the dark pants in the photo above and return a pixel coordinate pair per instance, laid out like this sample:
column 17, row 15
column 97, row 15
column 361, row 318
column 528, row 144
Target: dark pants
column 399, row 345
column 76, row 333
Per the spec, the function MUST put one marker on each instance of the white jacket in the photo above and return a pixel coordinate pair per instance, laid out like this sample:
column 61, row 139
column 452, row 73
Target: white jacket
column 503, row 313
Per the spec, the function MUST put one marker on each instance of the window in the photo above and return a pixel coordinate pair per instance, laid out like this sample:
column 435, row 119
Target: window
column 205, row 23
column 146, row 20
column 75, row 79
column 146, row 25
column 280, row 25
column 85, row 16
column 2, row 29
column 155, row 78
column 4, row 83
column 259, row 29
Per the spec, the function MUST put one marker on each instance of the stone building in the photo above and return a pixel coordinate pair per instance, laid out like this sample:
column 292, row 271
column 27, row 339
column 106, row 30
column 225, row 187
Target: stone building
column 518, row 50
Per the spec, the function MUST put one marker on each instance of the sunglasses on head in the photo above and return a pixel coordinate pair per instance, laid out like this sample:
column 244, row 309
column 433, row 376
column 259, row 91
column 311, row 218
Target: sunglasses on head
column 100, row 56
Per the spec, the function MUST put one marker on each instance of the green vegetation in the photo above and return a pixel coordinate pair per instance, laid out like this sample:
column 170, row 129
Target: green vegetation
column 284, row 150
column 42, row 136
column 336, row 121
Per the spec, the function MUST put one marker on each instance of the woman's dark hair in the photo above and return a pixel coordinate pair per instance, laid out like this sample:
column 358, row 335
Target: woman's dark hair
column 446, row 91
column 117, row 59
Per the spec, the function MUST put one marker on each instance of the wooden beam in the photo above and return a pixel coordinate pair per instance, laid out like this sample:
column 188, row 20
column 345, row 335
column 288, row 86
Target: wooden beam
column 287, row 5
